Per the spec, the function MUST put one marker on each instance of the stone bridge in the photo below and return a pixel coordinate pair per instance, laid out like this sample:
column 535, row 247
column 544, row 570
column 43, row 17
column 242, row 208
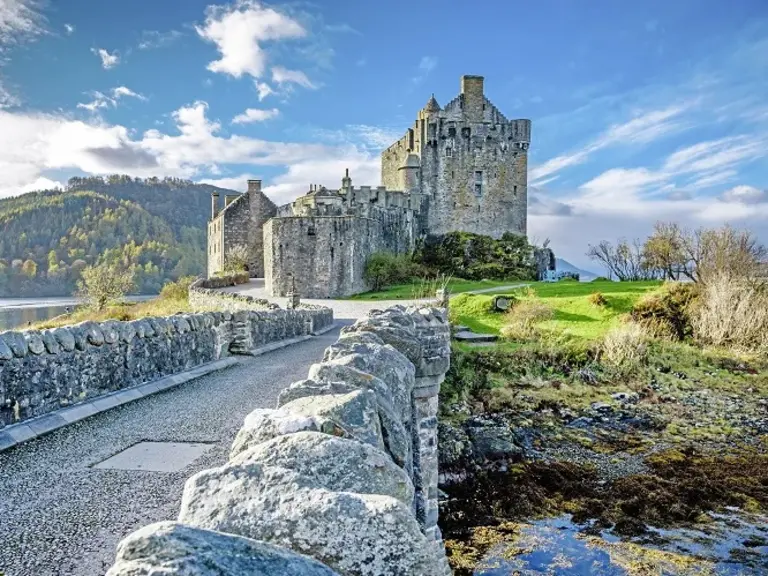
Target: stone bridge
column 367, row 411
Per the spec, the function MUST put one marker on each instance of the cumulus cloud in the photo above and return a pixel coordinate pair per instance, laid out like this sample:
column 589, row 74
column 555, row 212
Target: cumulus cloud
column 32, row 144
column 263, row 89
column 255, row 115
column 239, row 32
column 107, row 60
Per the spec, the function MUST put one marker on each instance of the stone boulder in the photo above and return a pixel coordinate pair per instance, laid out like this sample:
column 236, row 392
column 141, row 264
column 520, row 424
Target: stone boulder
column 382, row 361
column 262, row 425
column 334, row 378
column 355, row 534
column 172, row 549
column 339, row 464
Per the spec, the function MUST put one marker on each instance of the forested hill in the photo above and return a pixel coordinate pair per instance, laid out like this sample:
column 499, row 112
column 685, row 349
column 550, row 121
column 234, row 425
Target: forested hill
column 156, row 226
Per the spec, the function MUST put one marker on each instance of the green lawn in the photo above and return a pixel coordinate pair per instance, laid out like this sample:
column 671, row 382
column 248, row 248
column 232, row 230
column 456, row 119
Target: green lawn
column 427, row 289
column 575, row 316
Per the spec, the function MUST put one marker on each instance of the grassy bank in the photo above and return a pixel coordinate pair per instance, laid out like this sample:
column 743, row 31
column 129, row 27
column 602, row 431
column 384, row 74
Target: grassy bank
column 574, row 313
column 426, row 289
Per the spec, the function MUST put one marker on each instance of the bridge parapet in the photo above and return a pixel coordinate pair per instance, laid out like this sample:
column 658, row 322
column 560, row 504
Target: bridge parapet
column 343, row 472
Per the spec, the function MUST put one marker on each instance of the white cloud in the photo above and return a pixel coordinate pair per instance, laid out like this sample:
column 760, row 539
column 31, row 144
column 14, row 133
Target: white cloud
column 283, row 77
column 69, row 28
column 238, row 31
column 255, row 115
column 42, row 183
column 121, row 91
column 745, row 195
column 19, row 19
column 642, row 129
column 107, row 60
column 7, row 99
column 101, row 100
column 263, row 89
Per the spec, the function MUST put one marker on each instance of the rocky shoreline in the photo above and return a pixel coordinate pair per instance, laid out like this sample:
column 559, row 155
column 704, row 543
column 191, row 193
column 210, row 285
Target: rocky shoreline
column 665, row 455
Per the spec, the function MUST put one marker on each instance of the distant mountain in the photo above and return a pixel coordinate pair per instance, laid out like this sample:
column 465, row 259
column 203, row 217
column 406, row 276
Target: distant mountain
column 156, row 226
column 565, row 266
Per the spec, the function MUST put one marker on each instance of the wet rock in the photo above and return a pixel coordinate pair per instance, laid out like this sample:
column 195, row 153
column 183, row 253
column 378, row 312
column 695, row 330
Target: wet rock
column 494, row 443
column 455, row 446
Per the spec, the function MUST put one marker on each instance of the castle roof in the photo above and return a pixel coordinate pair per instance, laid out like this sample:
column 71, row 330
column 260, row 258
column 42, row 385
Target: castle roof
column 432, row 105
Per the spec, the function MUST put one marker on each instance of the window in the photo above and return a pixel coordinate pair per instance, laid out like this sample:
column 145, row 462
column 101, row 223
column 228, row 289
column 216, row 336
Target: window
column 515, row 190
column 311, row 231
column 478, row 183
column 449, row 152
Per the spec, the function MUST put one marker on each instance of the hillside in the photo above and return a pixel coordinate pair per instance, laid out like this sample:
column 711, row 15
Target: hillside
column 565, row 266
column 157, row 226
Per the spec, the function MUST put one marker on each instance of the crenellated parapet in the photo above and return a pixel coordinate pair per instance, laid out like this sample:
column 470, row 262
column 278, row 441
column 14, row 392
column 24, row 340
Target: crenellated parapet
column 340, row 478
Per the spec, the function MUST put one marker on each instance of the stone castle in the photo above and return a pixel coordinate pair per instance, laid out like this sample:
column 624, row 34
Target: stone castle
column 463, row 167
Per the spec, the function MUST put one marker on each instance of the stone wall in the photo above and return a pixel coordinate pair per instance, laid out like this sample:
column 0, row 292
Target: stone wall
column 323, row 256
column 340, row 478
column 42, row 371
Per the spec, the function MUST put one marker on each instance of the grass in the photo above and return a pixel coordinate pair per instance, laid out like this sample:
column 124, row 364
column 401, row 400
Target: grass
column 575, row 316
column 411, row 290
column 124, row 311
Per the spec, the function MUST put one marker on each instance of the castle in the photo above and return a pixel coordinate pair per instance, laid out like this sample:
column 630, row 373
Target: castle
column 463, row 167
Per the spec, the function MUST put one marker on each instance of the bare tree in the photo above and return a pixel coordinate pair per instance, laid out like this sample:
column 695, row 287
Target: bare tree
column 625, row 260
column 664, row 251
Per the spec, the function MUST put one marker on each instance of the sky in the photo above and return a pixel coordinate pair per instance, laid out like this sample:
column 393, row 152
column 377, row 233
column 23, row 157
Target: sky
column 642, row 110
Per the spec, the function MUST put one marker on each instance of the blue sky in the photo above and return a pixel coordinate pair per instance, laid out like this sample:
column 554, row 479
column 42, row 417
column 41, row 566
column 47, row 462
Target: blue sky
column 641, row 110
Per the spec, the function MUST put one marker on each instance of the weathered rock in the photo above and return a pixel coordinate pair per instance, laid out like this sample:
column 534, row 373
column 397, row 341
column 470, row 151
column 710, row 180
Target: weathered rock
column 455, row 446
column 16, row 343
column 262, row 425
column 111, row 331
column 34, row 342
column 5, row 351
column 51, row 344
column 355, row 413
column 80, row 335
column 494, row 443
column 355, row 534
column 384, row 362
column 93, row 333
column 322, row 461
column 65, row 338
column 394, row 327
column 172, row 549
column 127, row 332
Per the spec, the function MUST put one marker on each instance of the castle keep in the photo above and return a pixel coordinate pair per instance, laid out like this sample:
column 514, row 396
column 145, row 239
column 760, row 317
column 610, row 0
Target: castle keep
column 463, row 167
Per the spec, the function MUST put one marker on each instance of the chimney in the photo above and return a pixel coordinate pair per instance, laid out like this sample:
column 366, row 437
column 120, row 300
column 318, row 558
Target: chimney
column 472, row 97
column 214, row 205
column 229, row 198
column 254, row 185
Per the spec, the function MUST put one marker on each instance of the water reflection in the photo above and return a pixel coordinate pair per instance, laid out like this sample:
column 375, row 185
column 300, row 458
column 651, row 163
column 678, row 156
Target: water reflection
column 731, row 544
column 18, row 317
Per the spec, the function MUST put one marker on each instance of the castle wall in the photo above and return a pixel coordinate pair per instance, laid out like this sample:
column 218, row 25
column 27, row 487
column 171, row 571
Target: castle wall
column 215, row 246
column 393, row 158
column 325, row 256
column 465, row 154
column 261, row 210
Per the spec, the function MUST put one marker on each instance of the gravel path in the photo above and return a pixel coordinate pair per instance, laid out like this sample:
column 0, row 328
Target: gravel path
column 342, row 309
column 59, row 516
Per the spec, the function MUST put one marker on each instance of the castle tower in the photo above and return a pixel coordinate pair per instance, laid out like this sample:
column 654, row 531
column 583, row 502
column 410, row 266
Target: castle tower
column 261, row 210
column 473, row 165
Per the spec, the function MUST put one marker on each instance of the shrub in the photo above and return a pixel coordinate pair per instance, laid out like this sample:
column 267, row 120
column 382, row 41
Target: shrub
column 625, row 346
column 667, row 310
column 178, row 290
column 598, row 299
column 732, row 313
column 236, row 260
column 524, row 317
column 602, row 279
column 477, row 257
column 385, row 269
column 100, row 285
